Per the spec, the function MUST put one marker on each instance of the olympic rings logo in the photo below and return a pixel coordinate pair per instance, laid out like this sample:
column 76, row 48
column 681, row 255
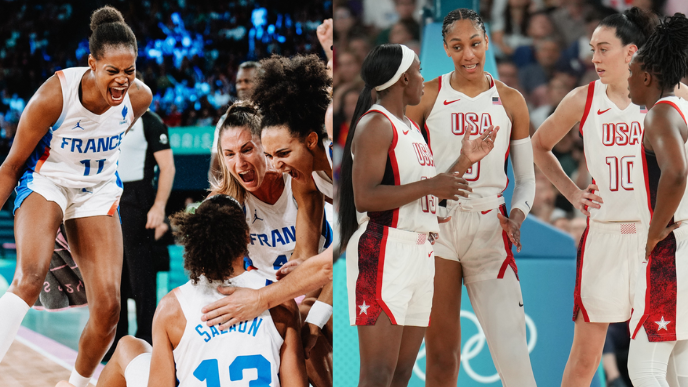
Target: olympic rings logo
column 474, row 346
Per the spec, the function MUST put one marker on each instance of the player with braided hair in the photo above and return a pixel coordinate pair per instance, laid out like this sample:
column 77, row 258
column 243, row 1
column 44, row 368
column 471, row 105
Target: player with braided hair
column 659, row 325
column 475, row 245
column 64, row 159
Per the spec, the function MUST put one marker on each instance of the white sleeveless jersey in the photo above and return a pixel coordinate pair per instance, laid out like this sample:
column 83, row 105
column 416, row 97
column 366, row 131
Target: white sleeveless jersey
column 408, row 160
column 82, row 148
column 320, row 178
column 451, row 116
column 611, row 138
column 647, row 174
column 247, row 353
column 272, row 230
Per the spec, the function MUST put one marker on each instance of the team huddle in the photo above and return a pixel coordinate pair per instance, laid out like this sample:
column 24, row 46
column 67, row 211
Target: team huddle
column 262, row 224
column 425, row 212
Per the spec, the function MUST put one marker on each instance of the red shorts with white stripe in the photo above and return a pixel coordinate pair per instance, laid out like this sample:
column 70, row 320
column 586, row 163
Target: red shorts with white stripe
column 661, row 297
column 474, row 237
column 392, row 271
column 609, row 256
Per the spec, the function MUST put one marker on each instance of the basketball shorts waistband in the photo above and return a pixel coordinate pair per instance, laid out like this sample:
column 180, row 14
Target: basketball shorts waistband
column 397, row 235
column 616, row 228
column 473, row 205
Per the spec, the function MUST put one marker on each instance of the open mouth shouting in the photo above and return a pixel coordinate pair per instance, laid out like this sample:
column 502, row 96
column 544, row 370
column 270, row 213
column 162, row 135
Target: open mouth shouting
column 117, row 93
column 248, row 177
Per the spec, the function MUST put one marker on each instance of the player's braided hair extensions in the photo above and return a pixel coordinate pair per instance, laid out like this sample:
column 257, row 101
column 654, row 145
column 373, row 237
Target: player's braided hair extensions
column 213, row 237
column 379, row 66
column 294, row 92
column 461, row 14
column 109, row 29
column 665, row 54
column 633, row 26
column 244, row 115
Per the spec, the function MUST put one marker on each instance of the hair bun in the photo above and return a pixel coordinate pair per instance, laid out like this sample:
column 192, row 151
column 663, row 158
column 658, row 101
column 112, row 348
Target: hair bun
column 105, row 15
column 243, row 107
column 644, row 20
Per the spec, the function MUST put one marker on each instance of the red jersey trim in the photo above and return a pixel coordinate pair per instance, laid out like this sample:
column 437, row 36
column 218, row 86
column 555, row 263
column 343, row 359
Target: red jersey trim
column 577, row 300
column 675, row 107
column 393, row 162
column 380, row 272
column 588, row 104
column 440, row 84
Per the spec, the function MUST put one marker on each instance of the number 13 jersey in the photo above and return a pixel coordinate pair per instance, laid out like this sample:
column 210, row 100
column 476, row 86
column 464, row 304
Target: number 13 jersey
column 611, row 137
column 247, row 353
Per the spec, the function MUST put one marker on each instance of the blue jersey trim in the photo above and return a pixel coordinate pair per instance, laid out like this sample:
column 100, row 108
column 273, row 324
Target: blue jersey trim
column 326, row 231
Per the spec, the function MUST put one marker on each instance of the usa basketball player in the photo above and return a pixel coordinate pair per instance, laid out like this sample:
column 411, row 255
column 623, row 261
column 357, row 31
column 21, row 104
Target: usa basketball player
column 388, row 215
column 475, row 245
column 610, row 250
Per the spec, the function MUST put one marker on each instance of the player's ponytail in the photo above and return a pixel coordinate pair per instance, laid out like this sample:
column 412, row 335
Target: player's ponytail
column 379, row 66
column 213, row 237
column 665, row 54
column 243, row 115
column 109, row 29
column 633, row 26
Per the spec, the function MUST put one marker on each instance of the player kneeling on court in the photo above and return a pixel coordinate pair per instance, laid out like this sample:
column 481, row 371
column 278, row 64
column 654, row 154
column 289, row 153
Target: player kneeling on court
column 185, row 348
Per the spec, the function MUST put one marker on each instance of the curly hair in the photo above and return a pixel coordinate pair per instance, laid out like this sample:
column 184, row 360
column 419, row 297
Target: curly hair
column 664, row 54
column 109, row 29
column 241, row 114
column 213, row 237
column 294, row 92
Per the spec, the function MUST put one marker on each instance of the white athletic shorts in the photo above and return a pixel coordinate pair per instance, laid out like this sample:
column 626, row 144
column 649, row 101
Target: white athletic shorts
column 609, row 256
column 138, row 371
column 102, row 199
column 389, row 270
column 474, row 237
column 661, row 297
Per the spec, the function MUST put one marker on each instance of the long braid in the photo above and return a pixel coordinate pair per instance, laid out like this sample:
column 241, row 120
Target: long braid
column 666, row 52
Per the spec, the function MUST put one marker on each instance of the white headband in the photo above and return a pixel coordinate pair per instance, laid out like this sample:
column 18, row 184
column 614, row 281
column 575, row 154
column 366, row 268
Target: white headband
column 406, row 61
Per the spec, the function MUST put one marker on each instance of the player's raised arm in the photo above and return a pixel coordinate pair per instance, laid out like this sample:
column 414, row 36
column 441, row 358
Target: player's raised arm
column 309, row 218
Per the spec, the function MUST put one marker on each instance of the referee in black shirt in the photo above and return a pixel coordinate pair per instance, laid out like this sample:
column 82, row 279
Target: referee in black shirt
column 142, row 209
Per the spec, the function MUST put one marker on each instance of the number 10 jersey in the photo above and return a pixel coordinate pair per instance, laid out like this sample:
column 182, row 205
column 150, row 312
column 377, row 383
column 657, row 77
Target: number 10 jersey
column 611, row 137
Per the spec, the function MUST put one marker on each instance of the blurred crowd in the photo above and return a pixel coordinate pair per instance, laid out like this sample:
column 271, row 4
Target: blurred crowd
column 541, row 48
column 189, row 51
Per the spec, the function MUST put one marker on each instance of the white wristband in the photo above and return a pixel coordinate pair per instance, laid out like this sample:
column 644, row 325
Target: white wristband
column 319, row 314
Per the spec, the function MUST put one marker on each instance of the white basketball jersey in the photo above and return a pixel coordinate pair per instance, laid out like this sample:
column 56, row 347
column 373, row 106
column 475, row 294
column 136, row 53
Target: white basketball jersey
column 408, row 160
column 648, row 173
column 322, row 181
column 246, row 354
column 272, row 230
column 82, row 148
column 451, row 116
column 611, row 139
